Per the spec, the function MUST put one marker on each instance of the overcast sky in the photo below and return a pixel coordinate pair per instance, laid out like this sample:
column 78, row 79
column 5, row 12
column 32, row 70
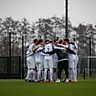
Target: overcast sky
column 79, row 10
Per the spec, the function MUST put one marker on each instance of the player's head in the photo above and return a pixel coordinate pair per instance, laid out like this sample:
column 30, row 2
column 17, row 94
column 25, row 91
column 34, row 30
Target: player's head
column 35, row 40
column 40, row 41
column 46, row 41
column 50, row 41
column 66, row 40
column 60, row 41
column 55, row 41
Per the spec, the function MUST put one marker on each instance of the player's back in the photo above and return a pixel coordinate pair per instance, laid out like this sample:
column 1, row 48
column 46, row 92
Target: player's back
column 48, row 47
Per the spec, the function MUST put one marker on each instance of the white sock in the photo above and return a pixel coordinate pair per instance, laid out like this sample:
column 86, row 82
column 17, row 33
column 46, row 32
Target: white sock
column 28, row 71
column 39, row 74
column 51, row 74
column 42, row 75
column 54, row 75
column 73, row 74
column 34, row 75
column 45, row 74
column 70, row 73
column 30, row 74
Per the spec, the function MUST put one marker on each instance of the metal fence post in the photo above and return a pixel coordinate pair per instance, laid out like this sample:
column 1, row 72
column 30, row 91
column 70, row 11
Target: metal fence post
column 22, row 64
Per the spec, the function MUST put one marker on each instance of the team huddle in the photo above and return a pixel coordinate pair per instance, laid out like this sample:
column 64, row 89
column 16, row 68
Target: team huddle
column 46, row 60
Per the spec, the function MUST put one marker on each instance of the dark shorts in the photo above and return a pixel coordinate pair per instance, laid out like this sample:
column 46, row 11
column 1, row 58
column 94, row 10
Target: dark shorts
column 63, row 64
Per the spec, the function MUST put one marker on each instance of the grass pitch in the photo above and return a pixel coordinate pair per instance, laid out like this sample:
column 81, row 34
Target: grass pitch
column 22, row 88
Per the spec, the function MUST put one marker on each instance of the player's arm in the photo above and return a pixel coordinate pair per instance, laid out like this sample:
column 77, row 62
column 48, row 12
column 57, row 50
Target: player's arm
column 59, row 48
column 34, row 49
column 39, row 49
column 65, row 46
column 42, row 53
column 69, row 49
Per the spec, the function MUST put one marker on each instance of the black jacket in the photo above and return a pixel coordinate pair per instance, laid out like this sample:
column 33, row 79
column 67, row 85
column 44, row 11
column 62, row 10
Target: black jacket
column 61, row 54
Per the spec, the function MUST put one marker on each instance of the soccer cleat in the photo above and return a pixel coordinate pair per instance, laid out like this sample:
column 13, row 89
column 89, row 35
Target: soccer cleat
column 38, row 81
column 58, row 80
column 51, row 81
column 33, row 81
column 46, row 81
column 26, row 80
column 72, row 81
column 29, row 80
column 67, row 80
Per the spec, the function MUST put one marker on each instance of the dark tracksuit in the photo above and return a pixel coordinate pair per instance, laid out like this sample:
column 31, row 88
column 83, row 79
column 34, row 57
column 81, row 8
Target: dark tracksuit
column 62, row 62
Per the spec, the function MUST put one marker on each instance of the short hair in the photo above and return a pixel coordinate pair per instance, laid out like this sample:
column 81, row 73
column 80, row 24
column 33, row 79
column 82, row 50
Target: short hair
column 67, row 40
column 55, row 40
column 35, row 40
column 46, row 40
column 39, row 41
column 60, row 41
column 50, row 41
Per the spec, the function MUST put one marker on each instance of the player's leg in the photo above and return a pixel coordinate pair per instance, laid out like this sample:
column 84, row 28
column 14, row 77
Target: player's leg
column 55, row 71
column 55, row 74
column 45, row 74
column 39, row 71
column 72, row 75
column 51, row 74
column 33, row 68
column 51, row 64
column 45, row 69
column 28, row 70
column 55, row 67
column 75, row 68
column 29, row 75
column 42, row 71
column 59, row 71
column 66, row 69
column 71, row 68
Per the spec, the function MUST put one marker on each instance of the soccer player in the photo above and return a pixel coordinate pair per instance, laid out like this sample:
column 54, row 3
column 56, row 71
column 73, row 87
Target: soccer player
column 39, row 59
column 48, row 61
column 55, row 61
column 62, row 61
column 73, row 61
column 31, row 62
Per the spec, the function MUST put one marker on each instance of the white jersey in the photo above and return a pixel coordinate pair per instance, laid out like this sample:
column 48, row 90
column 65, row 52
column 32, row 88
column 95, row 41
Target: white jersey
column 73, row 59
column 73, row 47
column 38, row 55
column 39, row 58
column 31, row 57
column 29, row 51
column 48, row 47
column 48, row 59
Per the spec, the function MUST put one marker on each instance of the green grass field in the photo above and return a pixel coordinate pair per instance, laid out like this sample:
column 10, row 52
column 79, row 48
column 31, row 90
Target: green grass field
column 22, row 88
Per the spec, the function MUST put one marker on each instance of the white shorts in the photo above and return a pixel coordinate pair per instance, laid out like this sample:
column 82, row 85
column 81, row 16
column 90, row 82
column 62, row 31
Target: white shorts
column 73, row 61
column 30, row 62
column 48, row 62
column 39, row 59
column 39, row 66
column 76, row 61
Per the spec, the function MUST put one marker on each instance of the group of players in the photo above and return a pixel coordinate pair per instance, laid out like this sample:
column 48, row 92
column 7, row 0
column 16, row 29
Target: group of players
column 46, row 60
